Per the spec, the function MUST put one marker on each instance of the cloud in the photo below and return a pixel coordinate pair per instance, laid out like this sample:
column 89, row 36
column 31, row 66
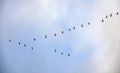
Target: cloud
column 91, row 46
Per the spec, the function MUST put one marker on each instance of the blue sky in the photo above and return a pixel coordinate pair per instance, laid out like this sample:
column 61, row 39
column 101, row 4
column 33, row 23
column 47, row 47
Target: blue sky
column 23, row 20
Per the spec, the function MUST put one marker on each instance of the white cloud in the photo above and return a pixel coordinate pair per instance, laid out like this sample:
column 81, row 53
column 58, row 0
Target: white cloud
column 51, row 16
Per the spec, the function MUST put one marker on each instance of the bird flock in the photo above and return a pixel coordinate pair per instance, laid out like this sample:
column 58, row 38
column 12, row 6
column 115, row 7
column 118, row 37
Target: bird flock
column 62, row 32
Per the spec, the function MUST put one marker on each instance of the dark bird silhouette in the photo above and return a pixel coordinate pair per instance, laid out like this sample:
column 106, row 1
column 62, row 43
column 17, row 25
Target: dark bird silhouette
column 18, row 43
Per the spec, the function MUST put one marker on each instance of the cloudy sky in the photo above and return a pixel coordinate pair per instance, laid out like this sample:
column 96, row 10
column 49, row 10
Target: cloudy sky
column 81, row 48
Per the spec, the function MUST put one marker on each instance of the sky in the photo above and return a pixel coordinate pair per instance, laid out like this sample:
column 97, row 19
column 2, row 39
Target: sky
column 93, row 48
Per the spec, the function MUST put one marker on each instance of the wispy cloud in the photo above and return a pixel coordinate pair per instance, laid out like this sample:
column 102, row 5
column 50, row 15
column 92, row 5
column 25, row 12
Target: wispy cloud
column 94, row 48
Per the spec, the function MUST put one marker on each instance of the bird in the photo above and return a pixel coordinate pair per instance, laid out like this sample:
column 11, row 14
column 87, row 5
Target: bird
column 24, row 45
column 61, row 53
column 55, row 34
column 19, row 43
column 74, row 28
column 55, row 50
column 110, row 15
column 9, row 40
column 32, row 48
column 34, row 39
column 88, row 23
column 117, row 13
column 81, row 25
column 102, row 20
column 69, row 29
column 106, row 16
column 68, row 54
column 62, row 32
column 45, row 36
